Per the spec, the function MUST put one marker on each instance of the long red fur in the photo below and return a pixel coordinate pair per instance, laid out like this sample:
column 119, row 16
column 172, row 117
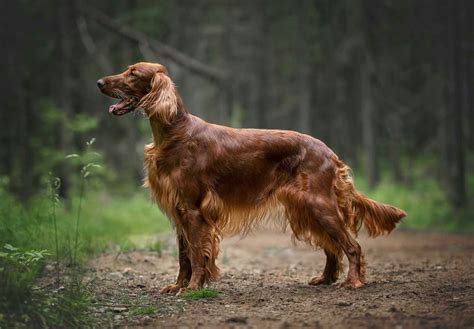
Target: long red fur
column 213, row 180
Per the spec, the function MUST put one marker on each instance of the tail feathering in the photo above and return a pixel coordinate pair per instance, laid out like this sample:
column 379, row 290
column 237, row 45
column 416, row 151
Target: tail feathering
column 378, row 218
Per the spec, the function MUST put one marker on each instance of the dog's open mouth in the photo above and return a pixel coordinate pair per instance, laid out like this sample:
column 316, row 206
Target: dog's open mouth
column 124, row 106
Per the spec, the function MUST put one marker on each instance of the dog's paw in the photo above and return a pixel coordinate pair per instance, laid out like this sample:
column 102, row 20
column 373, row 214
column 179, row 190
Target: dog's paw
column 181, row 291
column 318, row 280
column 351, row 284
column 170, row 289
column 191, row 286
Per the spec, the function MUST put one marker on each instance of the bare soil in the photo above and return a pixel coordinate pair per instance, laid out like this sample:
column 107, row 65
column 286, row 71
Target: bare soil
column 414, row 280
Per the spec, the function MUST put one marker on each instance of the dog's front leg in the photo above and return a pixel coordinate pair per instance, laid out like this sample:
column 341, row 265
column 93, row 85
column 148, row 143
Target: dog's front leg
column 202, row 246
column 185, row 271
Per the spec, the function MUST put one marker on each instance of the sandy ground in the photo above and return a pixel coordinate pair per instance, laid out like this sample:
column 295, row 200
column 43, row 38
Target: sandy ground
column 414, row 280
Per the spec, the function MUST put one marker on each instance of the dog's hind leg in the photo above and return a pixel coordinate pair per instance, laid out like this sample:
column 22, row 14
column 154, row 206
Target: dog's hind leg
column 332, row 224
column 331, row 270
column 312, row 221
column 353, row 251
column 317, row 220
column 185, row 272
column 330, row 220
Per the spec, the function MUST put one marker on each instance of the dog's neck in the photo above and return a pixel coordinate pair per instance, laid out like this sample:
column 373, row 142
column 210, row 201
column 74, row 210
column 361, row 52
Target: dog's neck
column 157, row 130
column 161, row 130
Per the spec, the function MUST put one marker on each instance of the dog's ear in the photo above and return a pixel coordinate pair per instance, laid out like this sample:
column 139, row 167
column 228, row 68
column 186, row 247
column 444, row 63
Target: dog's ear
column 161, row 100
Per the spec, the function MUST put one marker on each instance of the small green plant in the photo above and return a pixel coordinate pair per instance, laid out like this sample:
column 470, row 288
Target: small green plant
column 69, row 308
column 18, row 272
column 202, row 293
column 144, row 310
column 54, row 185
column 84, row 173
column 26, row 259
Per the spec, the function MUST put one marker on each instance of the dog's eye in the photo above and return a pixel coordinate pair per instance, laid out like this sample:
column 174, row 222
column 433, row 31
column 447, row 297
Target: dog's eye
column 132, row 73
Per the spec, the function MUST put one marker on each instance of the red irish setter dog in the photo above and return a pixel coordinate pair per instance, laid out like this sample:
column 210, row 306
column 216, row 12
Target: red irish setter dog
column 211, row 180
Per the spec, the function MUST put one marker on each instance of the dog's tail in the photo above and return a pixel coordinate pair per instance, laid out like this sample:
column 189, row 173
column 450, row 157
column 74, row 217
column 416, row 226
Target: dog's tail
column 378, row 218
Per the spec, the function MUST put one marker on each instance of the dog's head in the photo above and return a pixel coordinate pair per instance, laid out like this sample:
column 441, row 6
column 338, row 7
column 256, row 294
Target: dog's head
column 142, row 85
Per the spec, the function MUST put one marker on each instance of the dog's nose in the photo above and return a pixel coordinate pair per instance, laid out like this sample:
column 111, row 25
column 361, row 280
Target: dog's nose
column 100, row 83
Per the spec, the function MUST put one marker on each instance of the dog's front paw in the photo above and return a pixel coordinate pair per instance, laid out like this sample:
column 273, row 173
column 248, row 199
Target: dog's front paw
column 351, row 284
column 170, row 289
column 181, row 291
column 191, row 286
column 318, row 280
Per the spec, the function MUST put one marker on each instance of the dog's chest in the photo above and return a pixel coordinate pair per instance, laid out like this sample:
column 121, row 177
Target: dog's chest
column 163, row 189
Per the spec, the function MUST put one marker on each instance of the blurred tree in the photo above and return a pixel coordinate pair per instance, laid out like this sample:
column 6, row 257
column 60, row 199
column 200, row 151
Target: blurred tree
column 455, row 171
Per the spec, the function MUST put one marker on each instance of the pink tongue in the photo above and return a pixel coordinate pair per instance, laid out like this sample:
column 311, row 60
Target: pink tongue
column 117, row 106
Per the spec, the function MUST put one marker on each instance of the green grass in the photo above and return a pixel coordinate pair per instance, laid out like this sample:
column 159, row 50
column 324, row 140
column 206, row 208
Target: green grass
column 126, row 221
column 144, row 310
column 203, row 293
column 106, row 222
column 28, row 232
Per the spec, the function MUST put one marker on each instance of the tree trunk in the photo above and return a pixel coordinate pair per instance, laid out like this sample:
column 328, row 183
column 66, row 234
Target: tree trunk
column 368, row 124
column 64, row 23
column 262, row 79
column 304, row 96
column 394, row 130
column 454, row 128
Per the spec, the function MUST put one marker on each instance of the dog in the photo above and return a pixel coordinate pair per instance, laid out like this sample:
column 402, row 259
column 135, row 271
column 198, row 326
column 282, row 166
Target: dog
column 212, row 180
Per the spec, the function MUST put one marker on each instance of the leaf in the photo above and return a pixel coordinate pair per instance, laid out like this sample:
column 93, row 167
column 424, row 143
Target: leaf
column 91, row 165
column 9, row 247
column 89, row 143
column 74, row 155
column 56, row 183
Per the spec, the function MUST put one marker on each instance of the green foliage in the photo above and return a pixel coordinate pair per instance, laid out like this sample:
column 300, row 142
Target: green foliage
column 85, row 224
column 82, row 123
column 23, row 258
column 18, row 270
column 22, row 303
column 106, row 221
column 203, row 293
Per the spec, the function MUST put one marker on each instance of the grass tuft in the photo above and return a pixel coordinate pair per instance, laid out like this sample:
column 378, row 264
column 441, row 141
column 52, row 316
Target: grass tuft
column 203, row 293
column 144, row 310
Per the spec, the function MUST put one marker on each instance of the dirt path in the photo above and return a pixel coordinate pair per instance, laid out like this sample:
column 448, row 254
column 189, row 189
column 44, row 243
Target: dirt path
column 415, row 280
